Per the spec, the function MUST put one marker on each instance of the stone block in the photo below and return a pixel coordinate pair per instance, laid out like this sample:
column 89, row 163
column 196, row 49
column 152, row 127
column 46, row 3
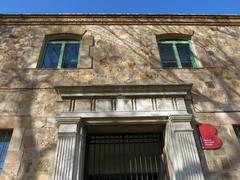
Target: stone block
column 42, row 176
column 210, row 84
column 203, row 55
column 155, row 61
column 219, row 152
column 14, row 156
column 103, row 105
column 225, row 163
column 87, row 39
column 68, row 128
column 29, row 142
column 11, row 168
column 82, row 105
column 124, row 104
column 164, row 104
column 144, row 104
column 39, row 122
column 232, row 153
column 10, row 122
column 180, row 104
column 51, row 122
column 44, row 165
column 16, row 139
column 85, row 58
column 66, row 105
column 228, row 118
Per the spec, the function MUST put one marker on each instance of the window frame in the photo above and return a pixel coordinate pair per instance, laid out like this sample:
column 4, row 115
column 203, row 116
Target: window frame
column 194, row 59
column 62, row 41
column 8, row 133
column 236, row 128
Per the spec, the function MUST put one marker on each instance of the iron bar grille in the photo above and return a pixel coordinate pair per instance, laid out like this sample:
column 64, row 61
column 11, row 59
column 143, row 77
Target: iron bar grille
column 5, row 136
column 124, row 157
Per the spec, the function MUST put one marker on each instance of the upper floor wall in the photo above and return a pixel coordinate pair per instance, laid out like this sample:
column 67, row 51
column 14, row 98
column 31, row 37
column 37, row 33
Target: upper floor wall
column 123, row 49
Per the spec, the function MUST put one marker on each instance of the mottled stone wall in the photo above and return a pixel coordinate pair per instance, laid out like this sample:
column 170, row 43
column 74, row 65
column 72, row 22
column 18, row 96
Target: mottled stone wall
column 118, row 55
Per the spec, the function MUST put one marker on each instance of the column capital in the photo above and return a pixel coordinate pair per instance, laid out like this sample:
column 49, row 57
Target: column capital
column 69, row 124
column 68, row 120
column 182, row 127
column 68, row 128
column 180, row 118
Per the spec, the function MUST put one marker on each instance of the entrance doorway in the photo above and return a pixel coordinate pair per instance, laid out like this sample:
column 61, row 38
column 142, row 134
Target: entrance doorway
column 128, row 156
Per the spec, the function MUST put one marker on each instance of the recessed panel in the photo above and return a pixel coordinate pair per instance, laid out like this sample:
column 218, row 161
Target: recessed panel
column 103, row 105
column 180, row 104
column 124, row 104
column 144, row 104
column 164, row 104
column 66, row 105
column 82, row 105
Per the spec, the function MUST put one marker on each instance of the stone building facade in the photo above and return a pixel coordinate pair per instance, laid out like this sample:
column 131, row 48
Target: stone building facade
column 119, row 86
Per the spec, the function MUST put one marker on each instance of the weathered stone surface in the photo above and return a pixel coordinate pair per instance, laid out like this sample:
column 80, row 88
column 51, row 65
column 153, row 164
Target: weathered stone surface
column 115, row 55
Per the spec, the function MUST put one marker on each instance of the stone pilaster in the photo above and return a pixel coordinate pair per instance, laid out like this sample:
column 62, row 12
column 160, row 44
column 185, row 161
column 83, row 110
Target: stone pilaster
column 181, row 150
column 80, row 154
column 66, row 152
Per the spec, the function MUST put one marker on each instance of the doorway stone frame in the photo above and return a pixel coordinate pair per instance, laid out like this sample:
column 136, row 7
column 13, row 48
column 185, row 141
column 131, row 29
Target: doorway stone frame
column 181, row 153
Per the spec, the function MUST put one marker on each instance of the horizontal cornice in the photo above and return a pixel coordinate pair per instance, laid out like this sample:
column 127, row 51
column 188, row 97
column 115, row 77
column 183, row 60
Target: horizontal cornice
column 119, row 19
column 124, row 90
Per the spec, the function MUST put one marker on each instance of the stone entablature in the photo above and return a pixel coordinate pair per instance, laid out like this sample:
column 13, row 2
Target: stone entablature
column 119, row 103
column 119, row 19
column 130, row 98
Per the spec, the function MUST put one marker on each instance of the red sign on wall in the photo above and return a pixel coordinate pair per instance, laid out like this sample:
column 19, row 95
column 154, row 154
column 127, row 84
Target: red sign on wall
column 209, row 136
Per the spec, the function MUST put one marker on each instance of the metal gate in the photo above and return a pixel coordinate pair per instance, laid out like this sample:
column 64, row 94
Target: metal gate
column 124, row 157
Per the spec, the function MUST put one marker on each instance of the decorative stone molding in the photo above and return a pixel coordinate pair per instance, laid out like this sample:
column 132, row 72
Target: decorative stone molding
column 124, row 90
column 124, row 104
column 119, row 19
column 182, row 118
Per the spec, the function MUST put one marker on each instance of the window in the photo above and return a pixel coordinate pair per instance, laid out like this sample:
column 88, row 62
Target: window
column 237, row 131
column 61, row 54
column 124, row 156
column 5, row 137
column 177, row 53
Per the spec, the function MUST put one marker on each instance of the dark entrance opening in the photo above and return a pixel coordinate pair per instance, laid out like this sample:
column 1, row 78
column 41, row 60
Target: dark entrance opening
column 132, row 156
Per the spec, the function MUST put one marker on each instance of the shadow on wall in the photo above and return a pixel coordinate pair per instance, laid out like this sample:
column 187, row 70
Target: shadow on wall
column 219, row 78
column 224, row 75
column 35, row 144
column 39, row 138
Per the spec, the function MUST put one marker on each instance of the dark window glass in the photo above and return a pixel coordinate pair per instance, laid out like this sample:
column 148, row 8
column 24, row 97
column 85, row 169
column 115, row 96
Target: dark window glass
column 167, row 55
column 184, row 53
column 237, row 131
column 70, row 57
column 124, row 156
column 51, row 57
column 61, row 54
column 5, row 137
